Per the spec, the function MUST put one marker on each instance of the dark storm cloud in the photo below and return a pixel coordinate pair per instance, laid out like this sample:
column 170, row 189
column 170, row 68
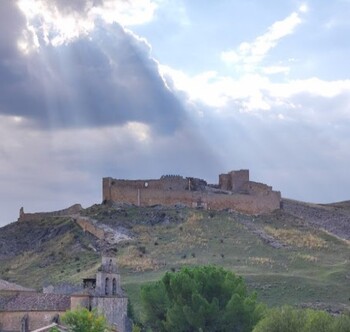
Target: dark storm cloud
column 95, row 86
column 105, row 78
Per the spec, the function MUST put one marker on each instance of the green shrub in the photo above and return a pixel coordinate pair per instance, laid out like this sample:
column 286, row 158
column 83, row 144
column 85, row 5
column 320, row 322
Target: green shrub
column 289, row 319
column 83, row 320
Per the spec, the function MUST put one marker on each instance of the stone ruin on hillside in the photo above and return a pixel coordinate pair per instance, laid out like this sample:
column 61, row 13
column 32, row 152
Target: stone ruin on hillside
column 234, row 191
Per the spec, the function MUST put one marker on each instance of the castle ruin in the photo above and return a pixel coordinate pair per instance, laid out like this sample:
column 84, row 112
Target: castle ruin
column 234, row 191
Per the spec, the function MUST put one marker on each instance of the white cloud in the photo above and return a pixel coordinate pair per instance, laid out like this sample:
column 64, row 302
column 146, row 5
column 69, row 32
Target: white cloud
column 199, row 87
column 230, row 57
column 251, row 92
column 127, row 13
column 304, row 8
column 270, row 70
column 218, row 91
column 249, row 54
column 57, row 23
column 254, row 89
column 139, row 131
column 312, row 86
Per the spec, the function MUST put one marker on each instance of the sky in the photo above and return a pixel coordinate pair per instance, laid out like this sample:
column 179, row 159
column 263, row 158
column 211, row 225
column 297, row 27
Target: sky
column 139, row 89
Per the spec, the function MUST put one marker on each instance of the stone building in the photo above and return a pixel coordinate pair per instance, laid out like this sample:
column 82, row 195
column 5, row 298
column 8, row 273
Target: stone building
column 23, row 309
column 105, row 294
column 234, row 191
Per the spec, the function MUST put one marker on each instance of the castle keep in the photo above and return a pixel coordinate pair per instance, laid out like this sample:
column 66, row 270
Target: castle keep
column 234, row 191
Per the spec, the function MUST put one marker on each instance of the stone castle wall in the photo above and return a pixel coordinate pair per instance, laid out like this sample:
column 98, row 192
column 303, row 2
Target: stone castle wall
column 243, row 203
column 87, row 226
column 176, row 183
column 72, row 210
column 235, row 191
column 256, row 188
column 234, row 180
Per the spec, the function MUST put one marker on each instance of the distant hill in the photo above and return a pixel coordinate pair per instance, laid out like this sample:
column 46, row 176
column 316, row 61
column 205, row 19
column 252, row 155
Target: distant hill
column 334, row 218
column 345, row 205
column 297, row 255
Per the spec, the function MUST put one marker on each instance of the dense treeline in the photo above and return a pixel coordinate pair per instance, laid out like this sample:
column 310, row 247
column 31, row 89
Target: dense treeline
column 211, row 299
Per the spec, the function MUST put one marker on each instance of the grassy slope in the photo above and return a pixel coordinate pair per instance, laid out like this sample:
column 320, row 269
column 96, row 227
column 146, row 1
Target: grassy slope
column 311, row 267
column 50, row 251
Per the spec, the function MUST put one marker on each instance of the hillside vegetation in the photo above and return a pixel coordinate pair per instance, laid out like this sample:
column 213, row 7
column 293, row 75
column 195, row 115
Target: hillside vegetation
column 299, row 255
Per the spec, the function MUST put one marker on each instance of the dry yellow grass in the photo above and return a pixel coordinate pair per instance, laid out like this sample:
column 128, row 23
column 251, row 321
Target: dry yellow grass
column 194, row 217
column 306, row 258
column 187, row 261
column 143, row 233
column 296, row 238
column 261, row 260
column 132, row 259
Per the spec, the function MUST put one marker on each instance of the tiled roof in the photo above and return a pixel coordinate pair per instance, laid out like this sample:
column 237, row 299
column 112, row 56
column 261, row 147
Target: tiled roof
column 4, row 299
column 9, row 286
column 34, row 302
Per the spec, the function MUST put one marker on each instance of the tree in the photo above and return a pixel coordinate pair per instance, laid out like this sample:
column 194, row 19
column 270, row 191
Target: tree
column 289, row 319
column 83, row 320
column 284, row 319
column 203, row 299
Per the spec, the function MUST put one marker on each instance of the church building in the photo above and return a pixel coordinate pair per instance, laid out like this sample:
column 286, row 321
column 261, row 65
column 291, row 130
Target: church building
column 25, row 310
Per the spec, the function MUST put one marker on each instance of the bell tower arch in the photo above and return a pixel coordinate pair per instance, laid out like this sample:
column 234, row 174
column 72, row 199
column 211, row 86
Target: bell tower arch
column 108, row 278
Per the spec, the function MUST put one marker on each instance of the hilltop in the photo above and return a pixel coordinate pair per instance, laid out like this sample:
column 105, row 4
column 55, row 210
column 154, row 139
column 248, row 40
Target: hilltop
column 297, row 255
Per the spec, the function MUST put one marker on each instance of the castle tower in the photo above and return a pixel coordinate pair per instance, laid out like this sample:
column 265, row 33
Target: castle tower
column 109, row 298
column 108, row 279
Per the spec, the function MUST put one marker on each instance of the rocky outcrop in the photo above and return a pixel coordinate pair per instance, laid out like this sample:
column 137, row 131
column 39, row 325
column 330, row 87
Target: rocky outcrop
column 102, row 231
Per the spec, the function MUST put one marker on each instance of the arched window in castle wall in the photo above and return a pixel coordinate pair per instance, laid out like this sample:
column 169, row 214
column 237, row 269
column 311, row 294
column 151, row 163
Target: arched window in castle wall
column 107, row 286
column 114, row 290
column 110, row 266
